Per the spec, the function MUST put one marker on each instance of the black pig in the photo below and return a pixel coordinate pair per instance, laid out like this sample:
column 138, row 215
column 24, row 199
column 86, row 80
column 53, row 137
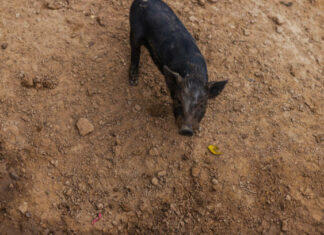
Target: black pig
column 175, row 53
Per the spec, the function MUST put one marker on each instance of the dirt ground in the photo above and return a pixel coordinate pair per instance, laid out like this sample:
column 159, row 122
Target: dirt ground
column 62, row 60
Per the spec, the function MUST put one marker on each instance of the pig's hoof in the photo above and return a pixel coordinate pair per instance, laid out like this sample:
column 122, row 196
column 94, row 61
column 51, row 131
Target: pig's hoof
column 133, row 80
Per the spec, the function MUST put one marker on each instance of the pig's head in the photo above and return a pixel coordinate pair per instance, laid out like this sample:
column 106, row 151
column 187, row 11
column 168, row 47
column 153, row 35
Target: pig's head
column 190, row 99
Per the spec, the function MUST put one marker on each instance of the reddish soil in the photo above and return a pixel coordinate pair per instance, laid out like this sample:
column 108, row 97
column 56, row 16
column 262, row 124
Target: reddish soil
column 62, row 60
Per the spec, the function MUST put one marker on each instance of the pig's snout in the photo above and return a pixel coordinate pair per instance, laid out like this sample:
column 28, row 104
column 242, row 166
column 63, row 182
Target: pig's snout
column 186, row 131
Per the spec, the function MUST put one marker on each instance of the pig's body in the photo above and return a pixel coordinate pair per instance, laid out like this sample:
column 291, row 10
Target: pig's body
column 174, row 51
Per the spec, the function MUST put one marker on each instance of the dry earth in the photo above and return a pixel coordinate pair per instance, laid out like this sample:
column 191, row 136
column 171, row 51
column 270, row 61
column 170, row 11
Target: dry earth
column 66, row 60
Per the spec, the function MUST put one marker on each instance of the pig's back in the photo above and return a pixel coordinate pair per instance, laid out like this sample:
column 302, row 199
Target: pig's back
column 167, row 39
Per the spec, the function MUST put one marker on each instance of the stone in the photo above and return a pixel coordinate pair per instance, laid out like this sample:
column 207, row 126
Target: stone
column 4, row 46
column 279, row 29
column 23, row 207
column 319, row 138
column 202, row 2
column 284, row 225
column 162, row 173
column 84, row 126
column 26, row 81
column 195, row 171
column 154, row 151
column 214, row 181
column 246, row 32
column 155, row 181
column 100, row 206
column 137, row 108
column 278, row 19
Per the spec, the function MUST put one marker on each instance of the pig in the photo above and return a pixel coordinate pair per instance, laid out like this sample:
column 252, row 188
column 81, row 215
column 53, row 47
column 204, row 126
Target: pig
column 174, row 51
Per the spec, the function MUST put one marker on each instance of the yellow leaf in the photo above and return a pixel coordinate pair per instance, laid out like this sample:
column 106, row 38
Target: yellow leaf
column 214, row 150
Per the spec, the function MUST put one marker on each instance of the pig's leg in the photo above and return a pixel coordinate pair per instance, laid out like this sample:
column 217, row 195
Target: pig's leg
column 135, row 42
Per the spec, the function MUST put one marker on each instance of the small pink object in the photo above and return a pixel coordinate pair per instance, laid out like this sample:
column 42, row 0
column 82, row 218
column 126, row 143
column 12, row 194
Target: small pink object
column 96, row 219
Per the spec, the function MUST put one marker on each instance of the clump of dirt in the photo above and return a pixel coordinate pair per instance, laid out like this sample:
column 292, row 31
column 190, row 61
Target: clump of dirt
column 66, row 61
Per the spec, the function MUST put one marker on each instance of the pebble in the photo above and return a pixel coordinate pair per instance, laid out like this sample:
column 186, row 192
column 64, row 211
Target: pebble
column 202, row 2
column 99, row 206
column 284, row 225
column 162, row 173
column 193, row 19
column 23, row 207
column 214, row 181
column 195, row 171
column 54, row 163
column 246, row 32
column 319, row 138
column 137, row 107
column 154, row 151
column 287, row 4
column 13, row 175
column 68, row 192
column 84, row 126
column 279, row 29
column 4, row 46
column 26, row 81
column 278, row 19
column 155, row 181
column 117, row 150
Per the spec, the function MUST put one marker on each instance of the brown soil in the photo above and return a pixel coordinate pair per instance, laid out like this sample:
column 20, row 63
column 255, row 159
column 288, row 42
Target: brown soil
column 62, row 60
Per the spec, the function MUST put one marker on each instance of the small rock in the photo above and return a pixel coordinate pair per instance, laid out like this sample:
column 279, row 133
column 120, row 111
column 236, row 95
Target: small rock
column 13, row 175
column 99, row 206
column 101, row 21
column 284, row 225
column 319, row 138
column 193, row 19
column 56, row 4
column 54, row 163
column 117, row 150
column 28, row 215
column 279, row 29
column 137, row 107
column 287, row 4
column 288, row 197
column 26, row 81
column 162, row 173
column 214, row 181
column 4, row 46
column 154, row 151
column 68, row 192
column 278, row 19
column 201, row 2
column 84, row 126
column 258, row 74
column 195, row 171
column 23, row 207
column 246, row 32
column 155, row 181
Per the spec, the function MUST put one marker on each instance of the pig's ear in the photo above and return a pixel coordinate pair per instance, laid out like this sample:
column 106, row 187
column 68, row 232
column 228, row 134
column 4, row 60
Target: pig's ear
column 214, row 88
column 170, row 74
